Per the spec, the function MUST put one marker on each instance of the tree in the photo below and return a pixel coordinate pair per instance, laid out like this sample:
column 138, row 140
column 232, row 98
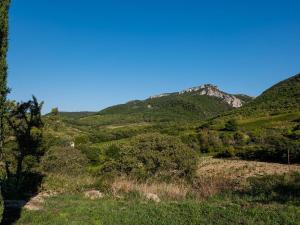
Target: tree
column 26, row 124
column 4, row 7
column 54, row 112
column 54, row 118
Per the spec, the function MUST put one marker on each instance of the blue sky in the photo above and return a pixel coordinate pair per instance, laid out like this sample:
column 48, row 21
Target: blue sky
column 87, row 55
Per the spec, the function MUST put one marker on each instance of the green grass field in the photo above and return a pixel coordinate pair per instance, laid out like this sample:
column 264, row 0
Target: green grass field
column 76, row 210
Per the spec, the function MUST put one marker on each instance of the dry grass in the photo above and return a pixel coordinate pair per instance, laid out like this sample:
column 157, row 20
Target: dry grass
column 170, row 191
column 207, row 186
column 213, row 177
column 217, row 175
column 240, row 170
column 61, row 183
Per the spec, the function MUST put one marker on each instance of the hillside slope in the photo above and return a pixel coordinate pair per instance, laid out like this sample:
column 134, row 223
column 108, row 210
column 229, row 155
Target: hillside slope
column 197, row 103
column 282, row 97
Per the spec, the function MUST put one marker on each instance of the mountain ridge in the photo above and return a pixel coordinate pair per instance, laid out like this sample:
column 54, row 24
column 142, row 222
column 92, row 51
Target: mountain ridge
column 210, row 90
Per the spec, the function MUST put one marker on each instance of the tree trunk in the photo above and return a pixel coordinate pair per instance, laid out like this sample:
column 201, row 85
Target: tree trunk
column 19, row 169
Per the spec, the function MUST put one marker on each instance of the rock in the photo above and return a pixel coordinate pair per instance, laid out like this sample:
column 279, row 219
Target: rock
column 152, row 197
column 208, row 90
column 93, row 194
column 36, row 203
column 159, row 96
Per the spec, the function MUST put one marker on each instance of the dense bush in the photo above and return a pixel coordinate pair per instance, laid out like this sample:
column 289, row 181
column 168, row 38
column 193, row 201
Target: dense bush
column 231, row 125
column 151, row 155
column 112, row 134
column 192, row 141
column 228, row 152
column 210, row 141
column 92, row 153
column 64, row 161
column 274, row 149
column 276, row 187
column 52, row 140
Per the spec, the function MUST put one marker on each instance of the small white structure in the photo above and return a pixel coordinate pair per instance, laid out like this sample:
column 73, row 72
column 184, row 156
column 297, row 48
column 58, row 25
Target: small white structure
column 72, row 144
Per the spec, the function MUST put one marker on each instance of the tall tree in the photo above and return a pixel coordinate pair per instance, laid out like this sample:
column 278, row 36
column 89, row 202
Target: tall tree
column 4, row 8
column 25, row 120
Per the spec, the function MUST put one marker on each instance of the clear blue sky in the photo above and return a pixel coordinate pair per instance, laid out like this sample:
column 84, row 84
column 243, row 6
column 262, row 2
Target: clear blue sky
column 87, row 55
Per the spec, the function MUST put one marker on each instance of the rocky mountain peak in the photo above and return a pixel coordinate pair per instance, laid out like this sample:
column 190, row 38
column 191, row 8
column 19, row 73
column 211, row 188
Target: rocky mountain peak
column 213, row 90
column 209, row 90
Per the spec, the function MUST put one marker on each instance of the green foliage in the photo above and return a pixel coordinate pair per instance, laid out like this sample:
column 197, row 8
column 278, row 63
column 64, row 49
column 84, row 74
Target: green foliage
column 178, row 108
column 191, row 140
column 281, row 188
column 77, row 210
column 231, row 125
column 52, row 140
column 282, row 97
column 54, row 112
column 228, row 152
column 209, row 141
column 26, row 124
column 266, row 129
column 60, row 160
column 151, row 155
column 4, row 7
column 81, row 139
column 91, row 152
column 272, row 149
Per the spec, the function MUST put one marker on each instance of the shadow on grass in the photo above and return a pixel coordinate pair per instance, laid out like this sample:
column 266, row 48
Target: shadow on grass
column 16, row 198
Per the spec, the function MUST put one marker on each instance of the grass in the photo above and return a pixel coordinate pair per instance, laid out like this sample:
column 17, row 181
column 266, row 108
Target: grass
column 240, row 170
column 269, row 121
column 210, row 199
column 168, row 191
column 76, row 210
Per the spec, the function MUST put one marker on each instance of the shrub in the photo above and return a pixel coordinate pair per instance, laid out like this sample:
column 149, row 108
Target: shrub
column 276, row 187
column 210, row 141
column 192, row 141
column 226, row 153
column 64, row 161
column 151, row 155
column 240, row 138
column 92, row 153
column 275, row 149
column 227, row 138
column 231, row 125
column 82, row 139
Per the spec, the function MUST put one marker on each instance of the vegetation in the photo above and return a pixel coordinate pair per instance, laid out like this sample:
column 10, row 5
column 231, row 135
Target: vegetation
column 4, row 6
column 183, row 107
column 271, row 199
column 20, row 137
column 66, row 160
column 150, row 156
column 282, row 97
column 276, row 188
column 77, row 210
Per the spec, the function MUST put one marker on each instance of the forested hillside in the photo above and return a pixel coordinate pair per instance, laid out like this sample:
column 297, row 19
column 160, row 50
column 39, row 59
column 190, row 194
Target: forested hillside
column 282, row 97
column 194, row 104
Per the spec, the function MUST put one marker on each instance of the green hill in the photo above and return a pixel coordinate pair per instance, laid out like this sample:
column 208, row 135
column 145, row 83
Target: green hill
column 265, row 129
column 282, row 97
column 193, row 104
column 76, row 115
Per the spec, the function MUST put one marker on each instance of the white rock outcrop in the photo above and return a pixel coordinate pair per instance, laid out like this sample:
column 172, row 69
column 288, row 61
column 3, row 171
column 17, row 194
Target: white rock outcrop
column 93, row 194
column 209, row 90
column 152, row 197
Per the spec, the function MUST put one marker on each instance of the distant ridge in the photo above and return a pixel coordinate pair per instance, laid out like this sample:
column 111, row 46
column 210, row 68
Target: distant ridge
column 211, row 90
column 283, row 96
